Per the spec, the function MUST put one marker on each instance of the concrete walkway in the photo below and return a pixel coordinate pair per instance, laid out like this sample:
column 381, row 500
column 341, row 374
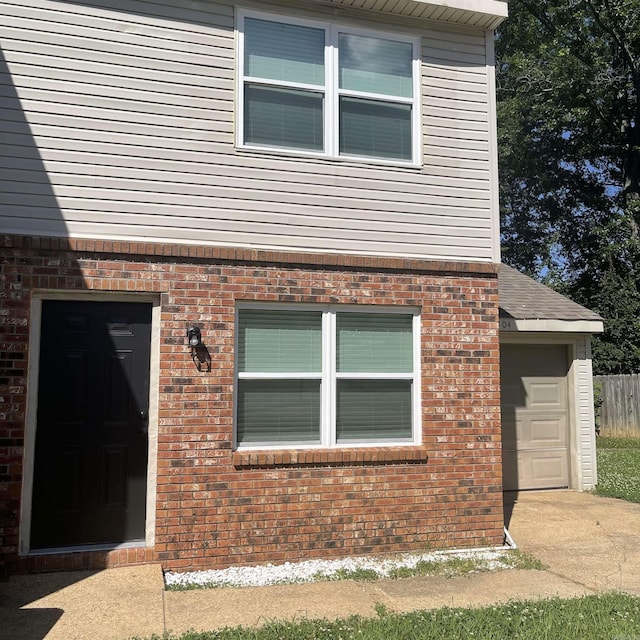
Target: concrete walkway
column 589, row 544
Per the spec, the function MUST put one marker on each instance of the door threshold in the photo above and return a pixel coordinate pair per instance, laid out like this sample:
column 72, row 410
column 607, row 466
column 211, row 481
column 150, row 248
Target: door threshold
column 111, row 546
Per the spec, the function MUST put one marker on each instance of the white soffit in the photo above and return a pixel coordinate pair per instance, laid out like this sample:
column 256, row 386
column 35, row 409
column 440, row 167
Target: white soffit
column 551, row 325
column 487, row 14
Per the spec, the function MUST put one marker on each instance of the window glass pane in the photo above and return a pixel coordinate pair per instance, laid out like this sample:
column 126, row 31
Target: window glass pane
column 279, row 341
column 373, row 410
column 375, row 128
column 375, row 65
column 280, row 51
column 374, row 343
column 272, row 411
column 283, row 118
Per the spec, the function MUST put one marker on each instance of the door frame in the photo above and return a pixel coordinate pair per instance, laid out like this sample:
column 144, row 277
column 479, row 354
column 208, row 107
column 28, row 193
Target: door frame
column 35, row 319
column 582, row 459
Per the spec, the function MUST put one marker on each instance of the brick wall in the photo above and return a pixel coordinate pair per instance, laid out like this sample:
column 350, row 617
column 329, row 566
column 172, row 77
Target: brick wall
column 216, row 507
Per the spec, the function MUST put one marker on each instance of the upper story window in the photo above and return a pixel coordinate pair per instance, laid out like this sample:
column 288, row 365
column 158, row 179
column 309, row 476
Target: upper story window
column 319, row 88
column 310, row 376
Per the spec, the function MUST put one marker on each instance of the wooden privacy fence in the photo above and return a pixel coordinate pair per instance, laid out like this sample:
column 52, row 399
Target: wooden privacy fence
column 618, row 404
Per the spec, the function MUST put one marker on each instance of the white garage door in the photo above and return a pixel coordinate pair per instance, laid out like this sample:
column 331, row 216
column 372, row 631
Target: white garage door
column 534, row 416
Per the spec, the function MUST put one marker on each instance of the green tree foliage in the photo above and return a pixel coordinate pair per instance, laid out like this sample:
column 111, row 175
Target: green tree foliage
column 568, row 82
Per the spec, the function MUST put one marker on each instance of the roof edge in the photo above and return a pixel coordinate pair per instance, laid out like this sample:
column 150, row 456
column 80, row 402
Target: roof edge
column 551, row 325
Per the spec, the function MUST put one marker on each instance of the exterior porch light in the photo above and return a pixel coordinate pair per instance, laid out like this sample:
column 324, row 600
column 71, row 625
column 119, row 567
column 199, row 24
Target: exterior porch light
column 199, row 352
column 195, row 337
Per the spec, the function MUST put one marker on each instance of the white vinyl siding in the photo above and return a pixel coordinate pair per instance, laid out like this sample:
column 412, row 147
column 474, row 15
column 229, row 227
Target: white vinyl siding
column 586, row 432
column 120, row 125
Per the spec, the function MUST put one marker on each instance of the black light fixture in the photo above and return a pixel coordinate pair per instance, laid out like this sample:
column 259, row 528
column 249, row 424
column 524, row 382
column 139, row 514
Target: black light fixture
column 199, row 353
column 195, row 337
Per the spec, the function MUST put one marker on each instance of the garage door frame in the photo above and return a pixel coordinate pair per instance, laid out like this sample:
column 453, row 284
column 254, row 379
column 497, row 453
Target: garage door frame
column 581, row 430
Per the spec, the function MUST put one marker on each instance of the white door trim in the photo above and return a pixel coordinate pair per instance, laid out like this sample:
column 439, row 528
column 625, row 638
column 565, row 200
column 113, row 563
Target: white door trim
column 35, row 320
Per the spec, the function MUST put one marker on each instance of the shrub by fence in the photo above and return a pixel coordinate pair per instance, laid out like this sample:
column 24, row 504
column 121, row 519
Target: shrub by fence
column 618, row 405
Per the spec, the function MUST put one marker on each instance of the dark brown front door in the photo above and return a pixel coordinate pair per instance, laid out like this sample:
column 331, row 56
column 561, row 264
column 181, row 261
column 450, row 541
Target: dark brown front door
column 90, row 468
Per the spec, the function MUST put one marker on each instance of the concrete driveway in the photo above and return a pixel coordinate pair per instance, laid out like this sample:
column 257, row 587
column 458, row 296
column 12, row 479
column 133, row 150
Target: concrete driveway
column 589, row 544
column 592, row 541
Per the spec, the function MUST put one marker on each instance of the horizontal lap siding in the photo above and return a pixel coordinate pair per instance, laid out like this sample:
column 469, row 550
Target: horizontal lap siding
column 120, row 124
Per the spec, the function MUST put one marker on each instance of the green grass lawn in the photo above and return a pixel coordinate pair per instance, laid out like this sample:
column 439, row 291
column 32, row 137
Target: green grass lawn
column 619, row 468
column 609, row 616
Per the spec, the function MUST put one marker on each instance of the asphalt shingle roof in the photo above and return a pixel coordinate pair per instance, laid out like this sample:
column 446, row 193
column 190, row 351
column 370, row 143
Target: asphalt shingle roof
column 522, row 298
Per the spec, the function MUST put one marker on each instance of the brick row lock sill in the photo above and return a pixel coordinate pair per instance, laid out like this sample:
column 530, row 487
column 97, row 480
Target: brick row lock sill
column 338, row 457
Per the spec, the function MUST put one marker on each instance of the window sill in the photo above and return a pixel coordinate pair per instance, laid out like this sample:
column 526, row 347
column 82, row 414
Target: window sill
column 297, row 154
column 330, row 457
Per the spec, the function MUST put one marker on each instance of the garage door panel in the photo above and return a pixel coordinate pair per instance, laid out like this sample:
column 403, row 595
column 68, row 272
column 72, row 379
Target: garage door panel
column 548, row 394
column 545, row 469
column 534, row 360
column 548, row 431
column 534, row 469
column 534, row 416
column 534, row 430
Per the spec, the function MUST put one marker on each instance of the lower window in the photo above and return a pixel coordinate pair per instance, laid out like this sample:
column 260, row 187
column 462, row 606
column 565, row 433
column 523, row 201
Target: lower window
column 326, row 377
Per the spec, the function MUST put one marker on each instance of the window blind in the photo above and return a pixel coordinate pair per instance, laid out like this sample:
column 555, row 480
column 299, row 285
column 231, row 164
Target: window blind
column 375, row 128
column 279, row 341
column 289, row 391
column 272, row 411
column 374, row 343
column 283, row 117
column 281, row 51
column 292, row 99
column 373, row 410
column 375, row 65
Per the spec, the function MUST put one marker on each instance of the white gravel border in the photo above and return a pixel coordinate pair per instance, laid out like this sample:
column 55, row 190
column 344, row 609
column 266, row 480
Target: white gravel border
column 312, row 570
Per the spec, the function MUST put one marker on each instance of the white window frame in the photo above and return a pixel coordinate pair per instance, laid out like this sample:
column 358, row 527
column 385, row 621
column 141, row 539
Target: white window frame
column 331, row 90
column 329, row 376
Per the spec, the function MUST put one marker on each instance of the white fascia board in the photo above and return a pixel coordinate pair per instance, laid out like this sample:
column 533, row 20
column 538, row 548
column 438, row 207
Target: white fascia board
column 557, row 326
